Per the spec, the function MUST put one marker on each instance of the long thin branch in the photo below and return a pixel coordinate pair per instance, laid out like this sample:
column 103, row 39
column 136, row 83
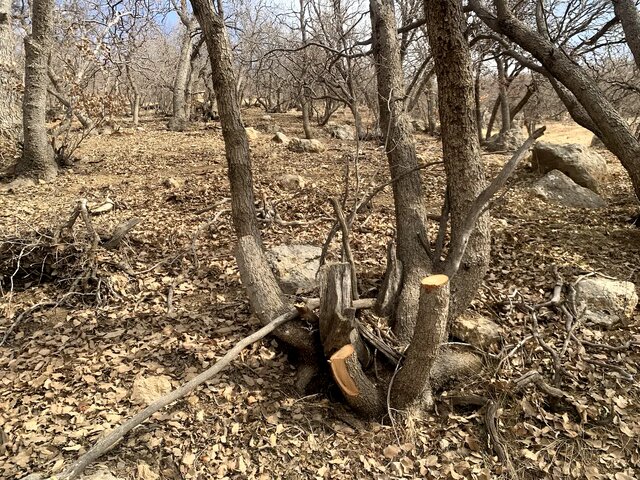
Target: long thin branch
column 459, row 244
column 106, row 443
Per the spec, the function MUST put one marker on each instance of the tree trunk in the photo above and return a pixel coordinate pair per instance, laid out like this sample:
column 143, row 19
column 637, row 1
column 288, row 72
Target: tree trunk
column 306, row 121
column 492, row 118
column 10, row 119
column 264, row 293
column 517, row 108
column 615, row 131
column 37, row 155
column 460, row 147
column 504, row 99
column 179, row 120
column 627, row 12
column 476, row 98
column 410, row 205
column 135, row 107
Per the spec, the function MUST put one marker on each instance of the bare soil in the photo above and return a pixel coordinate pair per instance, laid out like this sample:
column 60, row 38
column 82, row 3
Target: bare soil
column 66, row 373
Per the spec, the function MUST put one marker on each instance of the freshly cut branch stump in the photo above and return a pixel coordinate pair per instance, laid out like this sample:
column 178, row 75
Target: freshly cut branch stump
column 359, row 391
column 413, row 383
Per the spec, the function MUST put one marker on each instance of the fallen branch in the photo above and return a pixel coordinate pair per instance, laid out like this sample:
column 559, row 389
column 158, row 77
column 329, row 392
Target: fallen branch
column 106, row 443
column 120, row 232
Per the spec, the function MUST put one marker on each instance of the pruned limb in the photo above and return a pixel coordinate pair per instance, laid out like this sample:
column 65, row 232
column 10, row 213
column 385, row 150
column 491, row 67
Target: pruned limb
column 413, row 383
column 84, row 212
column 481, row 203
column 359, row 391
column 386, row 299
column 114, row 436
column 120, row 232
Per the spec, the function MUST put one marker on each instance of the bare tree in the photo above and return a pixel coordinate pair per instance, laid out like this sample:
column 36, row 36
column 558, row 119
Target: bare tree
column 10, row 118
column 37, row 156
column 596, row 111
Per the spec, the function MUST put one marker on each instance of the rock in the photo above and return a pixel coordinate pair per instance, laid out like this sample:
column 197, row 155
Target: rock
column 266, row 118
column 280, row 137
column 268, row 127
column 556, row 187
column 479, row 331
column 146, row 390
column 301, row 145
column 510, row 141
column 583, row 166
column 342, row 132
column 291, row 181
column 171, row 183
column 295, row 267
column 604, row 301
column 252, row 133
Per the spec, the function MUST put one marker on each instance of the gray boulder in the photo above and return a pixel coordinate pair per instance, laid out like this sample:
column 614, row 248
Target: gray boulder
column 509, row 141
column 342, row 132
column 479, row 331
column 604, row 301
column 303, row 145
column 295, row 267
column 583, row 166
column 556, row 187
column 291, row 181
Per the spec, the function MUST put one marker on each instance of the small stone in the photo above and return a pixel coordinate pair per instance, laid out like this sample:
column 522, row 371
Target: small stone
column 147, row 390
column 171, row 183
column 302, row 145
column 252, row 133
column 292, row 181
column 342, row 132
column 479, row 331
column 280, row 137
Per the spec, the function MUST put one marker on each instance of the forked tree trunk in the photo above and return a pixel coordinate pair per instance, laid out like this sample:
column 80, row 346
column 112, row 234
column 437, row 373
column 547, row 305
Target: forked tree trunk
column 179, row 119
column 408, row 194
column 460, row 148
column 37, row 155
column 265, row 295
column 613, row 129
column 10, row 79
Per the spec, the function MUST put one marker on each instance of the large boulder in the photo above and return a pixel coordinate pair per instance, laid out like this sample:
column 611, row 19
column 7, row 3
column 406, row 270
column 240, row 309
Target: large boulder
column 479, row 331
column 342, row 132
column 509, row 141
column 295, row 267
column 556, row 187
column 304, row 145
column 583, row 166
column 604, row 301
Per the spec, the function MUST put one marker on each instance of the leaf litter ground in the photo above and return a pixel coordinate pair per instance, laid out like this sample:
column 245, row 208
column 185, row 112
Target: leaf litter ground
column 66, row 373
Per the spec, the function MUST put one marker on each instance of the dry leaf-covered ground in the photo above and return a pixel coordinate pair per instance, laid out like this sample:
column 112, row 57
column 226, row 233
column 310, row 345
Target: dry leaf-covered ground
column 66, row 372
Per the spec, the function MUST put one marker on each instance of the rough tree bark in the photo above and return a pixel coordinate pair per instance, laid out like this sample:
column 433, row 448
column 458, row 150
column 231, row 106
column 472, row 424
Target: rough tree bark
column 10, row 119
column 37, row 155
column 265, row 295
column 614, row 130
column 476, row 97
column 461, row 151
column 179, row 119
column 410, row 205
column 505, row 117
column 627, row 12
column 432, row 106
